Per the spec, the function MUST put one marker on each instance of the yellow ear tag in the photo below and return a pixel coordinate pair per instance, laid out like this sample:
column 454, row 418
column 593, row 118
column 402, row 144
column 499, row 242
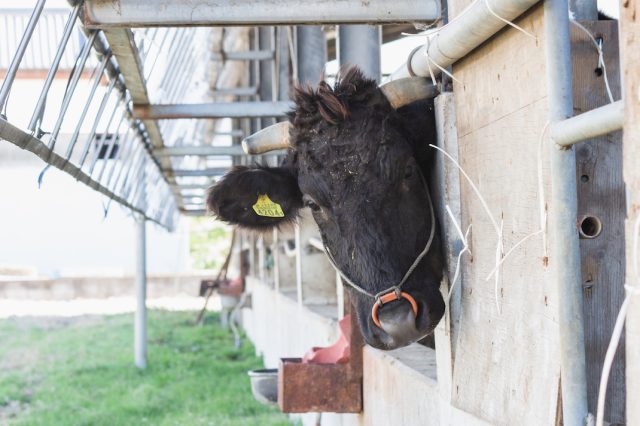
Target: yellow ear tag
column 265, row 207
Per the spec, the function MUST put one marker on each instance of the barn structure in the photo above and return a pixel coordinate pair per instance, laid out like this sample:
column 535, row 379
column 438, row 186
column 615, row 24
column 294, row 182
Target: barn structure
column 538, row 190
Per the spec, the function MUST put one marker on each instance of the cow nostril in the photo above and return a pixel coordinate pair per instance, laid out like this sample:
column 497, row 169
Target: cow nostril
column 397, row 319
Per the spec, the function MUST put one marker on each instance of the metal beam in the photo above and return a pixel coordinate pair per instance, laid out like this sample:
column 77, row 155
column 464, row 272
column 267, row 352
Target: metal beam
column 235, row 91
column 198, row 212
column 212, row 110
column 591, row 124
column 248, row 55
column 138, row 13
column 186, row 186
column 214, row 171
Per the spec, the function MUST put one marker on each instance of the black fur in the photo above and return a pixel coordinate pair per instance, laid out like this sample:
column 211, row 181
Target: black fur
column 233, row 197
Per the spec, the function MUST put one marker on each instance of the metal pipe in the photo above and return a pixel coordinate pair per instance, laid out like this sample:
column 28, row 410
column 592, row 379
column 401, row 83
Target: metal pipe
column 83, row 114
column 137, row 13
column 563, row 214
column 214, row 171
column 84, row 55
column 591, row 124
column 212, row 110
column 460, row 36
column 17, row 58
column 140, row 326
column 360, row 45
column 249, row 55
column 39, row 109
column 234, row 91
column 103, row 136
column 311, row 52
column 96, row 121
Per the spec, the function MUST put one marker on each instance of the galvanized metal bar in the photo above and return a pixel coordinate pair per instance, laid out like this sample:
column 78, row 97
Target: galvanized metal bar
column 96, row 121
column 213, row 171
column 360, row 45
column 202, row 150
column 30, row 143
column 591, row 124
column 311, row 52
column 137, row 13
column 83, row 114
column 458, row 38
column 103, row 136
column 212, row 110
column 126, row 142
column 249, row 55
column 130, row 167
column 17, row 57
column 192, row 186
column 84, row 55
column 235, row 91
column 39, row 109
column 140, row 327
column 113, row 142
column 196, row 212
column 565, row 262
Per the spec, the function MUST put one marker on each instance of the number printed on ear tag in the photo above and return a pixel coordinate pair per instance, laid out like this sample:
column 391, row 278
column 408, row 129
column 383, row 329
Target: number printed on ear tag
column 265, row 207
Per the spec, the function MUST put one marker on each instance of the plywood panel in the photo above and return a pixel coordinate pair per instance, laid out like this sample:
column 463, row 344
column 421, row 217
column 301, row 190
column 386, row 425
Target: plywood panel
column 601, row 195
column 506, row 366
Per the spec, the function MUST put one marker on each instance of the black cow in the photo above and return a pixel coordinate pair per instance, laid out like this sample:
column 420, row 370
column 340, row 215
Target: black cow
column 360, row 166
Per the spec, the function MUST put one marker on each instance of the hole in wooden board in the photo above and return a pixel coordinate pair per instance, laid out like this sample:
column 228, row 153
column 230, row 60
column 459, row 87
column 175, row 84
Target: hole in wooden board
column 590, row 227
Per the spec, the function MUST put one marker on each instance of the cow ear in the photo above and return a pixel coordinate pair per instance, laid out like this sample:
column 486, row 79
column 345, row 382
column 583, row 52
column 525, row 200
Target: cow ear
column 256, row 197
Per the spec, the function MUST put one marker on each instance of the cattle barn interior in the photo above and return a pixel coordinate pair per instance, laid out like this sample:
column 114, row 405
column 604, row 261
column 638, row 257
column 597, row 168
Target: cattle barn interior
column 535, row 185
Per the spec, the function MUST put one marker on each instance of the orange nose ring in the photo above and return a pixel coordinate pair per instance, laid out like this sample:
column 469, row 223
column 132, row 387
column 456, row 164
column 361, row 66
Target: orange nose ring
column 390, row 297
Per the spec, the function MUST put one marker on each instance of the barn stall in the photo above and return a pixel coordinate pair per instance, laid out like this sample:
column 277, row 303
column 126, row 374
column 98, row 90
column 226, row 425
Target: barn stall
column 538, row 196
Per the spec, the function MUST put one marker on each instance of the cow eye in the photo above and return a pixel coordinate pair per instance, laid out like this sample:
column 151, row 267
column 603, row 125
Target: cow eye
column 408, row 171
column 312, row 205
column 308, row 202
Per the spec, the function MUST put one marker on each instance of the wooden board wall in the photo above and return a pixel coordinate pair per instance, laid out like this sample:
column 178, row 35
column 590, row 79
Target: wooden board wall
column 600, row 195
column 506, row 365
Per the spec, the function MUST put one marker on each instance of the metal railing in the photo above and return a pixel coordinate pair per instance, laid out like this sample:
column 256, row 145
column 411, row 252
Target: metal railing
column 101, row 145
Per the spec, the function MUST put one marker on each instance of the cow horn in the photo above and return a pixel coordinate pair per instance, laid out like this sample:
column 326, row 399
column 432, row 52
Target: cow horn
column 268, row 139
column 407, row 90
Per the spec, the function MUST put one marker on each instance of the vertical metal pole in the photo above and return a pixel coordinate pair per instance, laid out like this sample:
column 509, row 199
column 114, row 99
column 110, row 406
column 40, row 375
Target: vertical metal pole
column 584, row 9
column 298, row 265
column 17, row 58
column 564, row 233
column 360, row 45
column 311, row 48
column 140, row 320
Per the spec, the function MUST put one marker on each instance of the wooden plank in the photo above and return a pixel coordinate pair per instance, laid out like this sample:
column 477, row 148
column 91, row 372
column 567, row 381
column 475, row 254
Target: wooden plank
column 506, row 365
column 446, row 192
column 601, row 195
column 630, row 56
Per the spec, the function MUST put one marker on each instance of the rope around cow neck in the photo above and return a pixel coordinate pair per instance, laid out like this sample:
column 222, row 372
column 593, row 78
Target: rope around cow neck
column 396, row 288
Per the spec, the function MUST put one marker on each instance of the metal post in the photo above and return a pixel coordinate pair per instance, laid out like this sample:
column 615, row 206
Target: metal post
column 17, row 58
column 311, row 48
column 564, row 233
column 140, row 324
column 360, row 45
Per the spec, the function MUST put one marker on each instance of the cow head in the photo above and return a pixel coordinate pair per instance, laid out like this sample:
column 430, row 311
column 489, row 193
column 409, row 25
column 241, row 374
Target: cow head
column 358, row 161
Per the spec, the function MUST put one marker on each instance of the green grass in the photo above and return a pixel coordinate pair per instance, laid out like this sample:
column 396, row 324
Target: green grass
column 80, row 372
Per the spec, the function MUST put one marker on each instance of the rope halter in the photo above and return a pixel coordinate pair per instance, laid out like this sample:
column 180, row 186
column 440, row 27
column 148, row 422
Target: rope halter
column 394, row 292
